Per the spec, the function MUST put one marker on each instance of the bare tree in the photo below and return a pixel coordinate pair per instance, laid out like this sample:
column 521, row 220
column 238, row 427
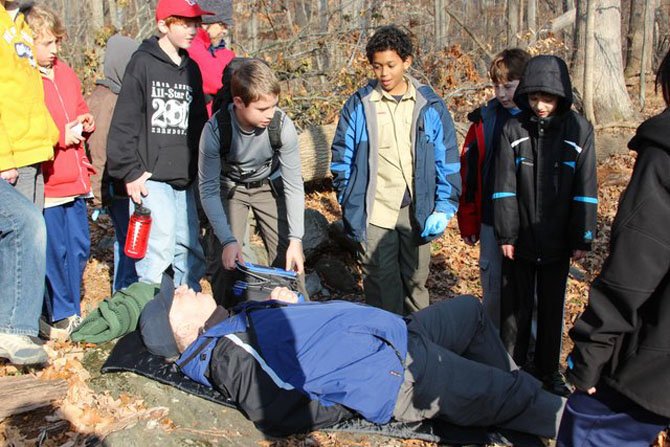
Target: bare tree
column 441, row 21
column 513, row 25
column 649, row 6
column 97, row 13
column 640, row 27
column 611, row 102
column 531, row 13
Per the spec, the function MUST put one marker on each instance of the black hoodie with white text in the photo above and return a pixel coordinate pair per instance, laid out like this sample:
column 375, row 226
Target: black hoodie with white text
column 158, row 118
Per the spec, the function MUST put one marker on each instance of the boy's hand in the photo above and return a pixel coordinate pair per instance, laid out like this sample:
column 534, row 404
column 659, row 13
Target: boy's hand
column 231, row 254
column 295, row 260
column 470, row 240
column 87, row 121
column 137, row 188
column 508, row 251
column 578, row 254
column 10, row 175
column 73, row 133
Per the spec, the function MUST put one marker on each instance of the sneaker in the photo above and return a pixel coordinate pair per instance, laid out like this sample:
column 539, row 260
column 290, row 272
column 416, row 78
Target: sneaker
column 555, row 383
column 21, row 350
column 61, row 329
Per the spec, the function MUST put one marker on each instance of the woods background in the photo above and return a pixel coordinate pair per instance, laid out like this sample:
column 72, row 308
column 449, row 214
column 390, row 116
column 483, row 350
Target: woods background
column 317, row 46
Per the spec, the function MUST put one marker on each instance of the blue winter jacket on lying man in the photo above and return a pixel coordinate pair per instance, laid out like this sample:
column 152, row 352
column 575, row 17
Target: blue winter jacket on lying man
column 343, row 354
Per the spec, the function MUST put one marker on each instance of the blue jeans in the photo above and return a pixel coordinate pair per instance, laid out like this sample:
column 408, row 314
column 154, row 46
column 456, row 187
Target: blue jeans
column 124, row 267
column 23, row 239
column 173, row 240
column 68, row 248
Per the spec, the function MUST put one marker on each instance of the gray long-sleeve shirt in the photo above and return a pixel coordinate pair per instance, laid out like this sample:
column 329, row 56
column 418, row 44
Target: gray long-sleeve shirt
column 250, row 152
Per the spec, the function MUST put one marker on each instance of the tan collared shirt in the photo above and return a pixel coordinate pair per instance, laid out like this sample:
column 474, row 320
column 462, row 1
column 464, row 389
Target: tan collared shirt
column 394, row 165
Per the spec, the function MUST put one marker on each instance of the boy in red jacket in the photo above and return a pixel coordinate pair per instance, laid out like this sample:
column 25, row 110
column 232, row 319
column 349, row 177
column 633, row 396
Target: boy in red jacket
column 208, row 48
column 475, row 210
column 66, row 179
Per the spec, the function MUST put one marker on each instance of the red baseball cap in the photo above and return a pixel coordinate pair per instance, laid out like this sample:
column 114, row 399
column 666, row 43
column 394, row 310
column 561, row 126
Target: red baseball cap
column 180, row 8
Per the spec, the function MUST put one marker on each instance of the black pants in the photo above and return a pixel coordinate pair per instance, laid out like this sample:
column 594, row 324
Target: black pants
column 521, row 280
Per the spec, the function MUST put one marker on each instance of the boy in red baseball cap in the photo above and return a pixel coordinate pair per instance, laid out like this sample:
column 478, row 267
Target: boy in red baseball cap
column 153, row 142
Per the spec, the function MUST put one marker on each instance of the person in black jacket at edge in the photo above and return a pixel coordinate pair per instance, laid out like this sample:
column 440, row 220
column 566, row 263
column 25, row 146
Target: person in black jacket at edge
column 620, row 364
column 544, row 212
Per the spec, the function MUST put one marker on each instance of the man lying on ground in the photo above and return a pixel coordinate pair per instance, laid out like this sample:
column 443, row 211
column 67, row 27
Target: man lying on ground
column 298, row 367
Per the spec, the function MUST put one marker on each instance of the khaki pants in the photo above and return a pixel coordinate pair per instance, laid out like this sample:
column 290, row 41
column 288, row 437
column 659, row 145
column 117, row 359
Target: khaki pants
column 271, row 220
column 395, row 267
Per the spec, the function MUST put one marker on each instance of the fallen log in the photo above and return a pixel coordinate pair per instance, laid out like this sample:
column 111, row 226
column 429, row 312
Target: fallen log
column 25, row 393
column 314, row 143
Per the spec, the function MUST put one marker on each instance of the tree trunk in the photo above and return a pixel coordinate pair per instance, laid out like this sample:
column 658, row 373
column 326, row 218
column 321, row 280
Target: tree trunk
column 531, row 12
column 441, row 20
column 512, row 22
column 611, row 102
column 97, row 14
column 578, row 45
column 649, row 7
column 589, row 49
column 636, row 36
column 114, row 14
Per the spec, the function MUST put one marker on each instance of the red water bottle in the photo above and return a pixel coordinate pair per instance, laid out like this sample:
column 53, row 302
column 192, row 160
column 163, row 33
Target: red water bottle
column 137, row 238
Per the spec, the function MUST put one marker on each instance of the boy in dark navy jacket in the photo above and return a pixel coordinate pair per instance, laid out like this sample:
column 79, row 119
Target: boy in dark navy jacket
column 544, row 211
column 298, row 367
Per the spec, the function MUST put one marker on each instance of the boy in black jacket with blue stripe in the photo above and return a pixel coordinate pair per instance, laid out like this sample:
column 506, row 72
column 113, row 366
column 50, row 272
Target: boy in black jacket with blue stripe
column 544, row 211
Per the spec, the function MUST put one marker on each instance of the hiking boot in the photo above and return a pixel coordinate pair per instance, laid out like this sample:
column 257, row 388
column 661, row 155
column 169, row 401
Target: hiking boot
column 61, row 329
column 21, row 350
column 555, row 383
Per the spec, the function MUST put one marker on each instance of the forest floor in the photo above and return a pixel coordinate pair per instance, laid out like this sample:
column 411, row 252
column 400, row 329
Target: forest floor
column 87, row 415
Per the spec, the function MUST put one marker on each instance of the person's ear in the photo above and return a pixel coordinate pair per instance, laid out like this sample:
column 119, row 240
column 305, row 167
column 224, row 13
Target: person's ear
column 185, row 334
column 238, row 102
column 407, row 62
column 162, row 27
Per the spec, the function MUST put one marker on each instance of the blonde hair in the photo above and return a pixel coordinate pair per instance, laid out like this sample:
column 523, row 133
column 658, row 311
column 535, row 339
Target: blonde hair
column 252, row 80
column 42, row 19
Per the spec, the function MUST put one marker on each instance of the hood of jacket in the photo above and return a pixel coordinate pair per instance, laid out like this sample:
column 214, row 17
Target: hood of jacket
column 117, row 55
column 151, row 47
column 547, row 74
column 652, row 132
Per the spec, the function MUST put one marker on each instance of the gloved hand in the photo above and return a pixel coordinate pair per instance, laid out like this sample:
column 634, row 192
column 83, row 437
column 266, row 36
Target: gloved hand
column 435, row 224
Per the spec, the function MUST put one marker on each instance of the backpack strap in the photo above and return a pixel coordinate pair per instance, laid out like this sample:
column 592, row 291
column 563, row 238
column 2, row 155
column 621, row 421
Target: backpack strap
column 274, row 130
column 226, row 138
column 225, row 133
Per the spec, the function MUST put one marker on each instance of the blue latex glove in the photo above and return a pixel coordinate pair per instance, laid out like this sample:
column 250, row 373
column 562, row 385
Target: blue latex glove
column 435, row 224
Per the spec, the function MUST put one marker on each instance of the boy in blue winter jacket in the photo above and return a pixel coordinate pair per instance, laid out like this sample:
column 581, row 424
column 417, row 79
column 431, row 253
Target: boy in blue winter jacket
column 396, row 171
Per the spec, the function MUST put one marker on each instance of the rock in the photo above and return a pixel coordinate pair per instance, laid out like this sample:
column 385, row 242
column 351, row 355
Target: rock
column 608, row 143
column 336, row 275
column 313, row 284
column 316, row 232
column 336, row 233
